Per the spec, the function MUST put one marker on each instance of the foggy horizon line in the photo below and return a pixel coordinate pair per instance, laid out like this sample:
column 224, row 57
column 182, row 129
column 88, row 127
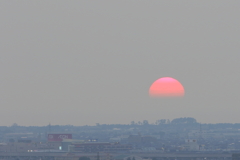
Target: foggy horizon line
column 181, row 120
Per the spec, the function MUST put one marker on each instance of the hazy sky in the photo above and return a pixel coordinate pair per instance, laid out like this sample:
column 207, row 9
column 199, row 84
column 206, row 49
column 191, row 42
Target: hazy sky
column 86, row 62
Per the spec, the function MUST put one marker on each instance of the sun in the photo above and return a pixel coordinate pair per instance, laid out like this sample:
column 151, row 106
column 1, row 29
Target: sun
column 166, row 87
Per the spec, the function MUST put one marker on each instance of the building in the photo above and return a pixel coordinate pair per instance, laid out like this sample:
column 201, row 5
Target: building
column 191, row 145
column 68, row 142
column 23, row 146
column 55, row 140
column 91, row 147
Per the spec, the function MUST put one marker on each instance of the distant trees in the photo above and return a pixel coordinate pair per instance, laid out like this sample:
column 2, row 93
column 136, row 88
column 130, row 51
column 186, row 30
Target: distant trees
column 145, row 122
column 132, row 123
column 14, row 125
column 184, row 120
column 139, row 123
column 162, row 121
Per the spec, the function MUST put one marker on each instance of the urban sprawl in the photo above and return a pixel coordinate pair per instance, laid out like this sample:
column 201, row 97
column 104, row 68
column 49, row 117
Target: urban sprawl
column 180, row 138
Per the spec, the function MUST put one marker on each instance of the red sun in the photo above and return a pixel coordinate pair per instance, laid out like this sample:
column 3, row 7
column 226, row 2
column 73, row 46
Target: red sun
column 166, row 87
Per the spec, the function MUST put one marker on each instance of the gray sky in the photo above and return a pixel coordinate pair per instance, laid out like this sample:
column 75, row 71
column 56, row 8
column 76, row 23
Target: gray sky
column 87, row 62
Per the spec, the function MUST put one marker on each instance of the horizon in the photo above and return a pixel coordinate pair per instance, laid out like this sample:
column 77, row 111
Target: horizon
column 135, row 123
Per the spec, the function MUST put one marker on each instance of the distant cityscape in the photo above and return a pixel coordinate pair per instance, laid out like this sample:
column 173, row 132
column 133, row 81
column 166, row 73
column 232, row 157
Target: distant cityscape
column 112, row 141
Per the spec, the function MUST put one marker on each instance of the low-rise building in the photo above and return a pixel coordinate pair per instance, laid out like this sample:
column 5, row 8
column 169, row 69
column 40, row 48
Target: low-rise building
column 100, row 147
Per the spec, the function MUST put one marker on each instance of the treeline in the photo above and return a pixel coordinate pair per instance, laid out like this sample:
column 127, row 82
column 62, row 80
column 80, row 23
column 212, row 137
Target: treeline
column 185, row 120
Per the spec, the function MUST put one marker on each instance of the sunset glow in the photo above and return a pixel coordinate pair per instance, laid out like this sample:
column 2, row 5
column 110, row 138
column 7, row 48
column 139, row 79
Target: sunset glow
column 166, row 87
